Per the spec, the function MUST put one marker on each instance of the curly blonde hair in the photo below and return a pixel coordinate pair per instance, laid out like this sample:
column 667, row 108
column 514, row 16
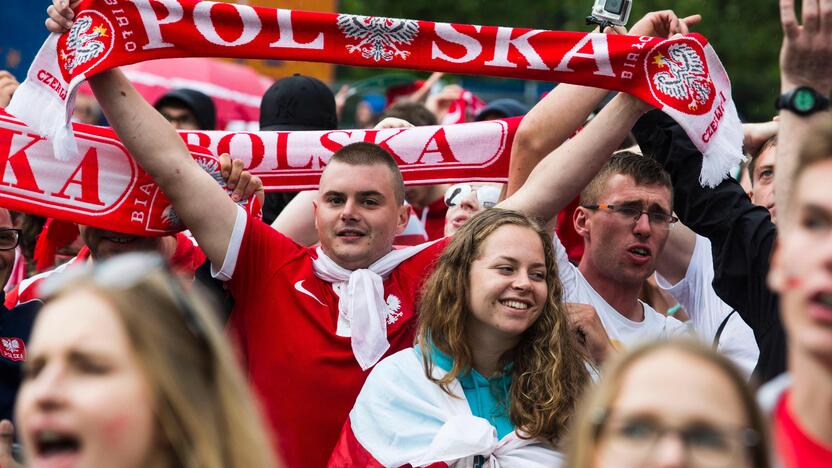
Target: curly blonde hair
column 548, row 372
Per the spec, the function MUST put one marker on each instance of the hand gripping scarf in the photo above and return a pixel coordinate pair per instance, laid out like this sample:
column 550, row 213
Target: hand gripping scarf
column 681, row 76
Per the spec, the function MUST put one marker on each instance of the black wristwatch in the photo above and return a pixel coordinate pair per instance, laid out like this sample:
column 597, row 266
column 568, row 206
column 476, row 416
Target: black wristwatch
column 803, row 101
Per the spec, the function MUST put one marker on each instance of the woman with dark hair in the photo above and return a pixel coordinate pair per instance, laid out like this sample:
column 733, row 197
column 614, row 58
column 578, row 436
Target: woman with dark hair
column 495, row 373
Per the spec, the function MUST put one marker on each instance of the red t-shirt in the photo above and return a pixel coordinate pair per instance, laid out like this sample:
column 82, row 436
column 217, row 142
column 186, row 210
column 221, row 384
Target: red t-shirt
column 433, row 216
column 795, row 447
column 285, row 320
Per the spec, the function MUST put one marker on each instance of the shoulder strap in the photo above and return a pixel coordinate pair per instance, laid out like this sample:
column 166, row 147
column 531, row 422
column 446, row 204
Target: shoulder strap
column 721, row 328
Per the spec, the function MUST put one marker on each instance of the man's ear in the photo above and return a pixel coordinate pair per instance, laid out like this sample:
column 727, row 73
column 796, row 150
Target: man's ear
column 403, row 216
column 315, row 213
column 580, row 219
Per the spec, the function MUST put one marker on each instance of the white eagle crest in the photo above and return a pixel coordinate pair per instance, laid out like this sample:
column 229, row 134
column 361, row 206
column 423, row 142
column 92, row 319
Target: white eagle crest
column 11, row 345
column 394, row 305
column 686, row 77
column 82, row 45
column 378, row 37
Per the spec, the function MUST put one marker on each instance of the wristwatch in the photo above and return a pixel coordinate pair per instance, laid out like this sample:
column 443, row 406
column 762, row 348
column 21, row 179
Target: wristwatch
column 803, row 101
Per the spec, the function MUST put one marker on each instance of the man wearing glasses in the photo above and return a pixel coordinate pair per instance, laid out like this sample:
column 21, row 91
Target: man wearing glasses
column 15, row 324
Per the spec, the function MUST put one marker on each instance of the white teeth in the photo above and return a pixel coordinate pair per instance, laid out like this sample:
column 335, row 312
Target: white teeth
column 640, row 251
column 516, row 304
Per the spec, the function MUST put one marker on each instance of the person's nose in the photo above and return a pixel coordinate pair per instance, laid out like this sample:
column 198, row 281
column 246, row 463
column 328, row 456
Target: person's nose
column 349, row 212
column 642, row 225
column 470, row 202
column 47, row 389
column 669, row 452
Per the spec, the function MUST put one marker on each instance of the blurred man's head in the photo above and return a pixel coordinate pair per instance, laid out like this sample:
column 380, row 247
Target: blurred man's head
column 86, row 109
column 417, row 114
column 624, row 218
column 188, row 109
column 801, row 268
column 104, row 244
column 501, row 109
column 8, row 242
column 360, row 207
column 294, row 103
column 761, row 174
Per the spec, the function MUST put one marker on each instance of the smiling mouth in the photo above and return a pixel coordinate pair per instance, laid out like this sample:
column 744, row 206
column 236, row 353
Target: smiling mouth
column 518, row 305
column 350, row 233
column 640, row 251
column 49, row 443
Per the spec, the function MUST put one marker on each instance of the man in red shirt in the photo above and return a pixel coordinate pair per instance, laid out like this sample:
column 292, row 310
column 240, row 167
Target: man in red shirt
column 801, row 267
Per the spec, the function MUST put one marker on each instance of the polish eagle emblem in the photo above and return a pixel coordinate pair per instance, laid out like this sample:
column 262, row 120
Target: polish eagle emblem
column 378, row 38
column 685, row 77
column 11, row 346
column 83, row 45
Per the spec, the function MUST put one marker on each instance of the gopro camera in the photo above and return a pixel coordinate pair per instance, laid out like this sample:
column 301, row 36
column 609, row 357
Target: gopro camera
column 610, row 13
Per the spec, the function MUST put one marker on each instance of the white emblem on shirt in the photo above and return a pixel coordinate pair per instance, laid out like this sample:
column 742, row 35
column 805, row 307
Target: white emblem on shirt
column 300, row 288
column 393, row 306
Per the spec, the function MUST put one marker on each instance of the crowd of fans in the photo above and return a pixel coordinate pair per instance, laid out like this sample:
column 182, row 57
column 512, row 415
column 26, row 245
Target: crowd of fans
column 601, row 309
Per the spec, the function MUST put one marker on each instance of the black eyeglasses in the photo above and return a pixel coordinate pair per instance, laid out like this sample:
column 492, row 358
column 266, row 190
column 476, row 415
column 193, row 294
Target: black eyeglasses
column 9, row 238
column 126, row 271
column 706, row 445
column 658, row 219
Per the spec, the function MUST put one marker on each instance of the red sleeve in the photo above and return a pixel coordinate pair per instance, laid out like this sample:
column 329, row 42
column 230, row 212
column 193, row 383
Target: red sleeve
column 262, row 252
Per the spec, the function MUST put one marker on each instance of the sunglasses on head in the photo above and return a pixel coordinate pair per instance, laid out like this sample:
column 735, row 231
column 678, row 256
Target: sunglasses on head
column 487, row 195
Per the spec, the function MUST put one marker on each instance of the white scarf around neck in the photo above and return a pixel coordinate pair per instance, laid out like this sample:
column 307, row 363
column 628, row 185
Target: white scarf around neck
column 362, row 300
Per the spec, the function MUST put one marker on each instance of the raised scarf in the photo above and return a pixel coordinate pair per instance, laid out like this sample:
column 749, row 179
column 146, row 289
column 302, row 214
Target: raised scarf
column 104, row 187
column 681, row 76
column 361, row 302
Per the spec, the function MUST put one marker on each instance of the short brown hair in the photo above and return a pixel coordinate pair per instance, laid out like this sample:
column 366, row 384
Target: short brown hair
column 643, row 170
column 755, row 158
column 370, row 154
column 414, row 112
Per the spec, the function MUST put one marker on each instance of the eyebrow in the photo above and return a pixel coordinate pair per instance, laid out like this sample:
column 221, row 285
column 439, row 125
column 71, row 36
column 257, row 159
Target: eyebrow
column 514, row 260
column 640, row 203
column 363, row 194
column 817, row 210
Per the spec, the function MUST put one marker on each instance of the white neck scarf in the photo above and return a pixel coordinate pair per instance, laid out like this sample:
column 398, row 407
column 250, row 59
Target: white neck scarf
column 362, row 300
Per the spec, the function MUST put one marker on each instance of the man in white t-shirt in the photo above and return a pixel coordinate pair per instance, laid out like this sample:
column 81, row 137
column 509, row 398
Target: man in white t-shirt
column 711, row 318
column 624, row 217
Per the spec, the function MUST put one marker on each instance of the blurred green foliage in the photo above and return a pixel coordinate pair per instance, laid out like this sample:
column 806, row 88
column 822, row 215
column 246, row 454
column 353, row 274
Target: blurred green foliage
column 745, row 33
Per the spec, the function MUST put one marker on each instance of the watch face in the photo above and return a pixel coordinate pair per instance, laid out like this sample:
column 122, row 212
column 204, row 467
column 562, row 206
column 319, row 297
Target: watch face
column 804, row 100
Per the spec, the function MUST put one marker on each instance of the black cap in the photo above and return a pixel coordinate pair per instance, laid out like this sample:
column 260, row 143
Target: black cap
column 199, row 103
column 501, row 109
column 298, row 103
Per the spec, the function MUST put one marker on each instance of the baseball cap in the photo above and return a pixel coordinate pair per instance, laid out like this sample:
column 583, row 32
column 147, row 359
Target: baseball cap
column 298, row 103
column 501, row 109
column 199, row 103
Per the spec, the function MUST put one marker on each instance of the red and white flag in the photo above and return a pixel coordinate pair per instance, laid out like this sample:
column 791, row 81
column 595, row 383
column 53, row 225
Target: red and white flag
column 401, row 418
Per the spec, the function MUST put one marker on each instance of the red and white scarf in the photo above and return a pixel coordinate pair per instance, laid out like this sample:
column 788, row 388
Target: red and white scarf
column 104, row 187
column 682, row 76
